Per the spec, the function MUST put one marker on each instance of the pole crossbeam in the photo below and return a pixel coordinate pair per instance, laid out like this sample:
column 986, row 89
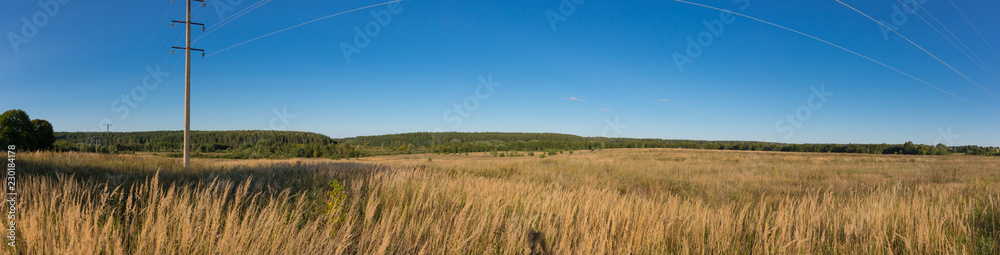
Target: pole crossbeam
column 184, row 48
column 187, row 22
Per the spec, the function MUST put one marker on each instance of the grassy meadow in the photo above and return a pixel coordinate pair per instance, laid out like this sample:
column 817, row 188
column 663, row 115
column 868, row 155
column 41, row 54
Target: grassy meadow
column 616, row 201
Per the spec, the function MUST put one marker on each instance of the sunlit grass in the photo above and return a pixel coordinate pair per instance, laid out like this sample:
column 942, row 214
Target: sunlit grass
column 626, row 201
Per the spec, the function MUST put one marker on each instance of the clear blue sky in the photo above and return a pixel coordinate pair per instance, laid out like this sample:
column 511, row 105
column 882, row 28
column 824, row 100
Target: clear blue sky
column 606, row 69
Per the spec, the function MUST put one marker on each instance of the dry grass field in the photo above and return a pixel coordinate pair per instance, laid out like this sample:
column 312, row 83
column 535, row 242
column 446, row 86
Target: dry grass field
column 623, row 201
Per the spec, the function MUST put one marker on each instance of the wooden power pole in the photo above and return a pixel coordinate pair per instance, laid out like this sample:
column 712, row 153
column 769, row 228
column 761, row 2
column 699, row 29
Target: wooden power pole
column 107, row 134
column 187, row 77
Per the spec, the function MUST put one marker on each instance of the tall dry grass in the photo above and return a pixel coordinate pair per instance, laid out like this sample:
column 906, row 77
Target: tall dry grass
column 639, row 201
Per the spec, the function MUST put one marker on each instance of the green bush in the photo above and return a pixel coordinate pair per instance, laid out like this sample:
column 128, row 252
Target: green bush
column 335, row 198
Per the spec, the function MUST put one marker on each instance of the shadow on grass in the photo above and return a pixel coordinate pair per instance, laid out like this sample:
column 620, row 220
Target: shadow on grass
column 986, row 226
column 538, row 245
column 102, row 170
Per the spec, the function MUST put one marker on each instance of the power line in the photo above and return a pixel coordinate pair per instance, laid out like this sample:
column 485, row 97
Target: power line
column 842, row 48
column 151, row 39
column 166, row 60
column 974, row 57
column 231, row 18
column 307, row 22
column 975, row 29
column 925, row 51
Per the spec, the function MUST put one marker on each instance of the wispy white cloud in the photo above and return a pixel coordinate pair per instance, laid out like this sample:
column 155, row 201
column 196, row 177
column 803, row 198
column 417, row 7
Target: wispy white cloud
column 578, row 99
column 605, row 109
column 662, row 100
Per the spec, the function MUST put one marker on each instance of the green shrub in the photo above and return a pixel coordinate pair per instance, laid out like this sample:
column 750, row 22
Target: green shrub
column 335, row 198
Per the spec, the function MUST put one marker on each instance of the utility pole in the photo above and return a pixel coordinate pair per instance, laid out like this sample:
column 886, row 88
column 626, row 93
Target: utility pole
column 107, row 133
column 187, row 77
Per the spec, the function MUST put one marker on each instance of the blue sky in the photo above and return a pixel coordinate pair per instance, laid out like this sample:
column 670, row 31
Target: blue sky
column 605, row 68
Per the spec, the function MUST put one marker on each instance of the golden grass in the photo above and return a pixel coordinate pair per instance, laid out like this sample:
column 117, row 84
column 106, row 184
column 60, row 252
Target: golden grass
column 626, row 201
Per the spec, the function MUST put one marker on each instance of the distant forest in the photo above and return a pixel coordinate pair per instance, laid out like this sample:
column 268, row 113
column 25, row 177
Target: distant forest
column 225, row 144
column 454, row 142
column 287, row 144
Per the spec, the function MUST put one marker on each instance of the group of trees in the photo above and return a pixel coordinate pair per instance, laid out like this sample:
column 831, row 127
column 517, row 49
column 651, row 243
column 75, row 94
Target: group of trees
column 977, row 150
column 17, row 129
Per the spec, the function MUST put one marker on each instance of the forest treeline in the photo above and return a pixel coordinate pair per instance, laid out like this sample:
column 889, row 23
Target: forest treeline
column 225, row 144
column 284, row 144
column 455, row 142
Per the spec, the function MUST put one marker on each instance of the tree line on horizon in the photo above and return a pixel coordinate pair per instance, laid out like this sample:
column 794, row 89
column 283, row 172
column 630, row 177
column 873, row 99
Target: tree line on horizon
column 286, row 144
column 17, row 128
column 455, row 142
column 237, row 144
